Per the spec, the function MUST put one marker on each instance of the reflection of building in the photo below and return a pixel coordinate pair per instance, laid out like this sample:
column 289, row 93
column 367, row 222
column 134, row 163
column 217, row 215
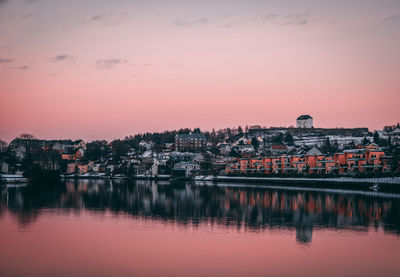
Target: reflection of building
column 233, row 207
column 187, row 169
column 304, row 234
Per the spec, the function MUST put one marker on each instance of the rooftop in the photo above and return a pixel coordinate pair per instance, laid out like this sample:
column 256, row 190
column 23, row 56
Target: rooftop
column 304, row 116
column 199, row 136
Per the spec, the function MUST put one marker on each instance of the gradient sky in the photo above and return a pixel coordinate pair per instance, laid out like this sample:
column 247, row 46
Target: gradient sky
column 102, row 69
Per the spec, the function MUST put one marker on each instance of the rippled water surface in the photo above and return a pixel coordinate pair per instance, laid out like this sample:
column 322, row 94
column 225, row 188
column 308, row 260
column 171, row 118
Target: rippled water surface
column 125, row 228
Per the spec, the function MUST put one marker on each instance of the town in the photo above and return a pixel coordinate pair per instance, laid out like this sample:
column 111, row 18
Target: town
column 190, row 153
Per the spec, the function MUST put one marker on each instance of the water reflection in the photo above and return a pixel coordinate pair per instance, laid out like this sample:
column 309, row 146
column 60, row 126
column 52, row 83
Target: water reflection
column 243, row 208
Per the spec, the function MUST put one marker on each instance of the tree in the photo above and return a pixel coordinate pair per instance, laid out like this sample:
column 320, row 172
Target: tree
column 255, row 143
column 278, row 138
column 206, row 165
column 3, row 145
column 352, row 144
column 326, row 147
column 376, row 138
column 329, row 147
column 366, row 141
column 240, row 130
column 288, row 139
column 96, row 150
column 27, row 136
column 119, row 148
column 234, row 153
column 184, row 131
column 228, row 132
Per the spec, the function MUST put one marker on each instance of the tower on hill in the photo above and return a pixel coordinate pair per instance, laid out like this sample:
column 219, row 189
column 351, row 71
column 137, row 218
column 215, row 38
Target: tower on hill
column 304, row 121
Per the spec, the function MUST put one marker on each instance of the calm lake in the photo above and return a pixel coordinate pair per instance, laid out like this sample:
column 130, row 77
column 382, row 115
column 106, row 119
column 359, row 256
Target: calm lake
column 148, row 228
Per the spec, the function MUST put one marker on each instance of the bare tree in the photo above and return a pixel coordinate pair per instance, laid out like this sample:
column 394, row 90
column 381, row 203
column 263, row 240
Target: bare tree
column 3, row 145
column 27, row 136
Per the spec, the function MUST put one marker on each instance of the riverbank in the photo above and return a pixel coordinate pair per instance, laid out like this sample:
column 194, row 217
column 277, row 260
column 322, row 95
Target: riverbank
column 17, row 179
column 383, row 180
column 117, row 176
column 209, row 178
column 13, row 179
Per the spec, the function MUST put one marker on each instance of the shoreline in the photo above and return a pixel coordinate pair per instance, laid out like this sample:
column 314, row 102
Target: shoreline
column 341, row 180
column 335, row 180
column 395, row 181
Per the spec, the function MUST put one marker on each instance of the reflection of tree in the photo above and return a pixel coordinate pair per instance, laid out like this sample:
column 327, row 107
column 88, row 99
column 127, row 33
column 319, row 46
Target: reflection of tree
column 254, row 209
column 304, row 234
column 28, row 202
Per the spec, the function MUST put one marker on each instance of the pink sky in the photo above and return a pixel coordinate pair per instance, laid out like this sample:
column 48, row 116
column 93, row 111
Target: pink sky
column 106, row 69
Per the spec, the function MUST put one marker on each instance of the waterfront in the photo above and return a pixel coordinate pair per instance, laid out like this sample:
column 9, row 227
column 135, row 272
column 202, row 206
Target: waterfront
column 146, row 228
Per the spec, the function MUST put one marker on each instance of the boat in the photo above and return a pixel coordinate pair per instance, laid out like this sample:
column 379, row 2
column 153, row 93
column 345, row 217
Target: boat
column 375, row 187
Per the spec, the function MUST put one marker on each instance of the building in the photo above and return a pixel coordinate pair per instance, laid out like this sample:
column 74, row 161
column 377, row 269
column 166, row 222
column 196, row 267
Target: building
column 313, row 151
column 83, row 169
column 190, row 142
column 348, row 162
column 71, row 168
column 187, row 168
column 145, row 145
column 245, row 148
column 278, row 149
column 224, row 148
column 304, row 121
column 4, row 167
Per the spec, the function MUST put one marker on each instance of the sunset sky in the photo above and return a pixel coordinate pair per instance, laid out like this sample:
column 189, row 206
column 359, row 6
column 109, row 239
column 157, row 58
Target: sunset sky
column 104, row 69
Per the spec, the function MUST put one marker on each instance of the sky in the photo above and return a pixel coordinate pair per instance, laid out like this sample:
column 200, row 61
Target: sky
column 102, row 69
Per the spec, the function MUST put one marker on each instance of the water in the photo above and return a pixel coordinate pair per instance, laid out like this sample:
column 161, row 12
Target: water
column 123, row 228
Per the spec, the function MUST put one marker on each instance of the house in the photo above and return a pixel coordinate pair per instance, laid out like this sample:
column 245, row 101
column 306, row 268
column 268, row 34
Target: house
column 71, row 168
column 96, row 167
column 245, row 148
column 146, row 165
column 187, row 167
column 4, row 167
column 20, row 152
column 190, row 142
column 110, row 168
column 304, row 121
column 154, row 168
column 83, row 169
column 102, row 168
column 313, row 151
column 145, row 145
column 224, row 148
column 69, row 157
column 57, row 146
column 198, row 158
column 91, row 165
column 169, row 146
column 242, row 140
column 350, row 161
column 79, row 154
column 278, row 149
column 79, row 144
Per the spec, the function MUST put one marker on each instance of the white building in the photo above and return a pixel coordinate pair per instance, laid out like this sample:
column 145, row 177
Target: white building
column 245, row 148
column 145, row 145
column 304, row 121
column 3, row 167
column 190, row 168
